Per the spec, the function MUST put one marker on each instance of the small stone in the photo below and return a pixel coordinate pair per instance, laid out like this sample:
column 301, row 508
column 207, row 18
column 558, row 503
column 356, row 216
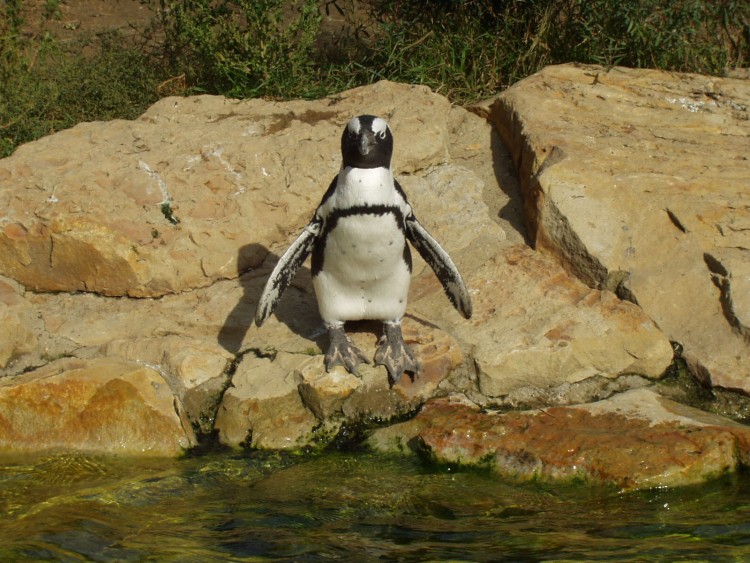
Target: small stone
column 324, row 393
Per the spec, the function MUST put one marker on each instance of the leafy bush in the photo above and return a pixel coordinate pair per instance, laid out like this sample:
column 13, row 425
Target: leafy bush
column 690, row 35
column 465, row 49
column 473, row 48
column 242, row 48
column 45, row 88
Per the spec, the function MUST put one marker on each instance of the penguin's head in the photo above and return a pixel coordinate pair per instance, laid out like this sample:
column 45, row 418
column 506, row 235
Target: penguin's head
column 367, row 143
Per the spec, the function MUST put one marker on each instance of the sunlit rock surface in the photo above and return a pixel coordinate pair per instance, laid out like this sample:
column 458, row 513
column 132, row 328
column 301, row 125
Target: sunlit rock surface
column 17, row 318
column 639, row 182
column 102, row 406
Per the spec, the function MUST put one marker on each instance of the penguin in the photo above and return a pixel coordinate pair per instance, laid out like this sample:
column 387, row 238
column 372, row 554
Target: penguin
column 361, row 263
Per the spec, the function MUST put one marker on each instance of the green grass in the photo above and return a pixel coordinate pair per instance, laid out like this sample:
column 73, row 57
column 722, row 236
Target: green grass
column 45, row 88
column 242, row 48
column 466, row 50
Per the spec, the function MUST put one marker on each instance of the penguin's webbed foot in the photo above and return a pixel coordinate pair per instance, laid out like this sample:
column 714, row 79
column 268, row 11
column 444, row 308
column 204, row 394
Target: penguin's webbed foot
column 341, row 352
column 394, row 354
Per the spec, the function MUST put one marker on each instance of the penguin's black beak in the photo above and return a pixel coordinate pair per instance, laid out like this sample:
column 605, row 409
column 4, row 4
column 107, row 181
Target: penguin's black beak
column 365, row 142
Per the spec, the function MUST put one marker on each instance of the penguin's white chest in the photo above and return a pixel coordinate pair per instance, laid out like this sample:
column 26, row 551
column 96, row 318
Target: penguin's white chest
column 364, row 248
column 365, row 272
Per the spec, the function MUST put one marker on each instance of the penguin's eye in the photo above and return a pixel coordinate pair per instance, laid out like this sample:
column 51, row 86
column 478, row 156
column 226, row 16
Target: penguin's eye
column 382, row 134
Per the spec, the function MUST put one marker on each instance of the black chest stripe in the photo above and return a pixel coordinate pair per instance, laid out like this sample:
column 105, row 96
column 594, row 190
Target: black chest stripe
column 378, row 210
column 332, row 220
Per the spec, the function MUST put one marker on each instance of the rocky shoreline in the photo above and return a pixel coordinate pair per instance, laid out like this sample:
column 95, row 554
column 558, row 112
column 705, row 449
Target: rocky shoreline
column 599, row 217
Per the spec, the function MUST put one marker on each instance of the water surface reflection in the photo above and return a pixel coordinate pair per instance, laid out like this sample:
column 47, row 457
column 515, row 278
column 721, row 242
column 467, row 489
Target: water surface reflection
column 268, row 507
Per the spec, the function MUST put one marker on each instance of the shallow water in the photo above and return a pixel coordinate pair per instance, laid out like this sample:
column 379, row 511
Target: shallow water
column 343, row 507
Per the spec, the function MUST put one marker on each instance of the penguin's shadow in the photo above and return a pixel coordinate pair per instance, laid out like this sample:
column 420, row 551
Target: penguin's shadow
column 297, row 308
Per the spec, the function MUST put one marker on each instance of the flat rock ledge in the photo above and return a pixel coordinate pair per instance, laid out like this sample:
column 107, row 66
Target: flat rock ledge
column 634, row 440
column 132, row 256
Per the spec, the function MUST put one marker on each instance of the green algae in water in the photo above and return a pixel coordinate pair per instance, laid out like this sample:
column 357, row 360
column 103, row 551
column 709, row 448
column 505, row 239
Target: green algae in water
column 342, row 507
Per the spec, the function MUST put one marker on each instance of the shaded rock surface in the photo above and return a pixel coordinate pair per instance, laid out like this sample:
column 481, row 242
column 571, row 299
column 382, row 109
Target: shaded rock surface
column 103, row 280
column 638, row 181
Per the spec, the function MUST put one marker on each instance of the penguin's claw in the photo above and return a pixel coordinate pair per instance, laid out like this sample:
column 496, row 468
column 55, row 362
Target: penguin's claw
column 341, row 352
column 395, row 355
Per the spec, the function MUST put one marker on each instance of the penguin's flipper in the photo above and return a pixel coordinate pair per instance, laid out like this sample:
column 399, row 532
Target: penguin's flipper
column 441, row 264
column 285, row 269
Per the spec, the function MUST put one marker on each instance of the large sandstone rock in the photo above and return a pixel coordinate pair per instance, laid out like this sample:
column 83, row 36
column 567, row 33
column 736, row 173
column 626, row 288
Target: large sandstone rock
column 102, row 406
column 638, row 181
column 536, row 327
column 106, row 273
column 634, row 440
column 262, row 408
